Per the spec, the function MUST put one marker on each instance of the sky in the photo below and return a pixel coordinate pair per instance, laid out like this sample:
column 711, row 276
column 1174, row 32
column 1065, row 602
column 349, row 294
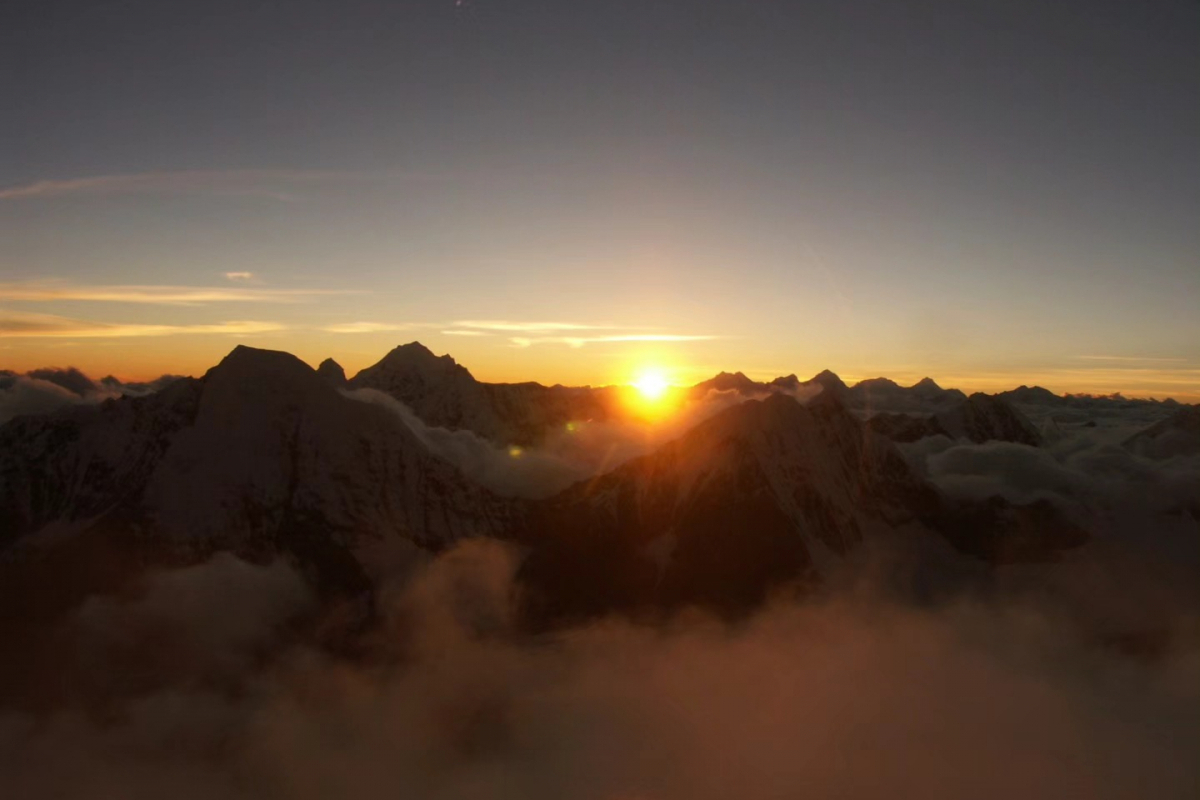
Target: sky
column 989, row 193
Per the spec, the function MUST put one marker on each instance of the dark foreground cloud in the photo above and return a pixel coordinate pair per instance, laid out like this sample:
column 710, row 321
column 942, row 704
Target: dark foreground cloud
column 847, row 695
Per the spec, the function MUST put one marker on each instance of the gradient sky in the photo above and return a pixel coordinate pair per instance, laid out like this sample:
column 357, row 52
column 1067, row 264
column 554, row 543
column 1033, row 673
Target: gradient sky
column 988, row 193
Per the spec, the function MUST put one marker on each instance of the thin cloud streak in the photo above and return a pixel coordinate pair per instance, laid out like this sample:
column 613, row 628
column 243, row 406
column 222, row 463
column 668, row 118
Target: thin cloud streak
column 370, row 327
column 527, row 327
column 1134, row 359
column 46, row 326
column 159, row 295
column 580, row 341
column 466, row 333
column 263, row 183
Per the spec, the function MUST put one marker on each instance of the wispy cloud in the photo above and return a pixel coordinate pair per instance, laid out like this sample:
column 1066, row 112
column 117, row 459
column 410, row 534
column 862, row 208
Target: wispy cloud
column 274, row 184
column 239, row 277
column 47, row 326
column 370, row 327
column 1134, row 359
column 479, row 328
column 580, row 341
column 50, row 291
column 528, row 327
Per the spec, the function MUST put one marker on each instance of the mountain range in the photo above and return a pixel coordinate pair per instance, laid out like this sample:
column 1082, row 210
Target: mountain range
column 266, row 457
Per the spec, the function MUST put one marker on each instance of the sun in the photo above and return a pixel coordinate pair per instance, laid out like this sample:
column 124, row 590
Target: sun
column 650, row 395
column 651, row 385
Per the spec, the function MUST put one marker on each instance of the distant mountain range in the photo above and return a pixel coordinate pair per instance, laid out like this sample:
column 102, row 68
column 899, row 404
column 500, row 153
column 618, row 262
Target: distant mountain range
column 266, row 457
column 444, row 394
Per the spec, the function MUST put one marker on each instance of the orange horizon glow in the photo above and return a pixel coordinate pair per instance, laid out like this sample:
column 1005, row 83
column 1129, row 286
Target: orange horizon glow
column 187, row 355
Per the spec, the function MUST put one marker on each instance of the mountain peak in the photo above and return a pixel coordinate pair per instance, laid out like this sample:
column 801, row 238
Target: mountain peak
column 878, row 383
column 984, row 417
column 244, row 355
column 412, row 349
column 253, row 365
column 416, row 357
column 829, row 380
column 927, row 383
column 1032, row 395
column 728, row 381
column 332, row 372
column 260, row 383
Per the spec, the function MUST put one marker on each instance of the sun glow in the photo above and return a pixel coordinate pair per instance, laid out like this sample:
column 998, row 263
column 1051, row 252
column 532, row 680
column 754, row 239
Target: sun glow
column 651, row 385
column 650, row 394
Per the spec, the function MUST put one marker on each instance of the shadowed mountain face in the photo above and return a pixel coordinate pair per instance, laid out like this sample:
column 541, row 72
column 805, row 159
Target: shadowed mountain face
column 761, row 494
column 756, row 496
column 981, row 418
column 260, row 456
column 1177, row 435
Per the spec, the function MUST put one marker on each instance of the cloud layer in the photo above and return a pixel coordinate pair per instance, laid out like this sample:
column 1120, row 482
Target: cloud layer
column 272, row 184
column 851, row 695
column 41, row 391
column 572, row 334
column 47, row 326
column 49, row 291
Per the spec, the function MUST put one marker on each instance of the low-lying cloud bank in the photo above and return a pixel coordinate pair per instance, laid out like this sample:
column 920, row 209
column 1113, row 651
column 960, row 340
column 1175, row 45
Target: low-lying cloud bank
column 1110, row 489
column 851, row 695
column 41, row 391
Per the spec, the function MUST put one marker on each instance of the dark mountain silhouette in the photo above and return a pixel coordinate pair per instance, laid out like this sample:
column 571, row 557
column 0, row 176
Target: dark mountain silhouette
column 978, row 418
column 262, row 456
column 981, row 418
column 332, row 372
column 730, row 382
column 444, row 394
column 1032, row 395
column 1039, row 396
column 830, row 382
column 761, row 493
